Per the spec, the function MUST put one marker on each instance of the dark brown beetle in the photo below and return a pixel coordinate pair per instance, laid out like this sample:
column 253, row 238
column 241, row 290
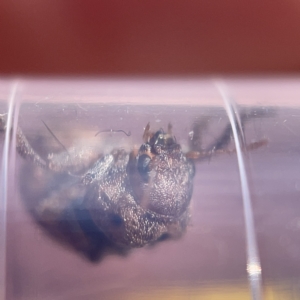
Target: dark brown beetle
column 118, row 201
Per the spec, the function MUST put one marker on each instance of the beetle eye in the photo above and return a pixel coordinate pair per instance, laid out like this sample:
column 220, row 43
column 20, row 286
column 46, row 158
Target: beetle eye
column 143, row 166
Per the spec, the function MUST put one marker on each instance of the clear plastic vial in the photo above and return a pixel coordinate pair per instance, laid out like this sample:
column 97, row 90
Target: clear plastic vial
column 242, row 239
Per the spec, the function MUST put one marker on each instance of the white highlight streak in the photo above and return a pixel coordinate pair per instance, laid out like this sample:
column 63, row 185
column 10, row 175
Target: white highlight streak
column 3, row 191
column 253, row 261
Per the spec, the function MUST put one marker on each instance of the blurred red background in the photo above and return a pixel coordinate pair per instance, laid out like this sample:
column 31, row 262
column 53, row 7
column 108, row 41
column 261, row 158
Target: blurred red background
column 73, row 37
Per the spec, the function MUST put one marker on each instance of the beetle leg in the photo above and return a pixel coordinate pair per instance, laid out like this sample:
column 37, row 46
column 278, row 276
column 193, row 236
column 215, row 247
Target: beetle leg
column 66, row 161
column 147, row 134
column 26, row 151
column 22, row 145
column 199, row 126
column 195, row 155
column 219, row 146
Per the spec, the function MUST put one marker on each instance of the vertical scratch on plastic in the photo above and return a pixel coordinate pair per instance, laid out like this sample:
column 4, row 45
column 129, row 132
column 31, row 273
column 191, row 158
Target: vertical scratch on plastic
column 253, row 261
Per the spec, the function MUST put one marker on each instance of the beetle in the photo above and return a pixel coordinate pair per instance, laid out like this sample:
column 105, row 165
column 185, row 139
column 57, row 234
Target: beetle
column 110, row 203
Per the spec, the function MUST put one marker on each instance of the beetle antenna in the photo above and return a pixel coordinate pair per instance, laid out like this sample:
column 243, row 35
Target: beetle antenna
column 111, row 130
column 54, row 136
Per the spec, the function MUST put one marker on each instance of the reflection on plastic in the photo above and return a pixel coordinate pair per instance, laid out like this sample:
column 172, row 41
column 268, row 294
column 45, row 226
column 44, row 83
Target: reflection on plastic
column 253, row 261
